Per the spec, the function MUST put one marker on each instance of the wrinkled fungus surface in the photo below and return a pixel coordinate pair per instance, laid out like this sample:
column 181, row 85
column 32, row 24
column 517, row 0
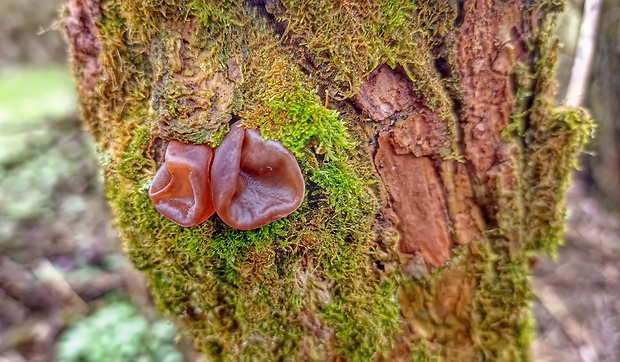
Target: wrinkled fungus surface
column 181, row 189
column 254, row 182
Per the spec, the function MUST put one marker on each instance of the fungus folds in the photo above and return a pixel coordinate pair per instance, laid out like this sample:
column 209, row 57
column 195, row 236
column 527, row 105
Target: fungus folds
column 248, row 181
column 181, row 189
column 254, row 182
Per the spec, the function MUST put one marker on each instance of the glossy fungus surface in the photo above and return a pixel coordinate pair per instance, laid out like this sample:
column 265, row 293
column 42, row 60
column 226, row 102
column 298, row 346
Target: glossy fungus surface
column 254, row 182
column 181, row 189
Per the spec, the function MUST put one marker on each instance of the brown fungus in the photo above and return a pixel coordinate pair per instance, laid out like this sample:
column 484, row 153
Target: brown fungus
column 254, row 182
column 181, row 189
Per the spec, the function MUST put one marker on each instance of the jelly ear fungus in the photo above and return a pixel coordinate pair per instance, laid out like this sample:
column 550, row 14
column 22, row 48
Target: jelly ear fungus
column 181, row 189
column 254, row 182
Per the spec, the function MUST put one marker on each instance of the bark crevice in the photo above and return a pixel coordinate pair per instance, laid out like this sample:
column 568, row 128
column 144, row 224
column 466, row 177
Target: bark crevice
column 83, row 35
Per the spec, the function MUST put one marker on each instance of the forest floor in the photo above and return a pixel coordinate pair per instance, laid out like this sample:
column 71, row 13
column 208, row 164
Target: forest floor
column 577, row 304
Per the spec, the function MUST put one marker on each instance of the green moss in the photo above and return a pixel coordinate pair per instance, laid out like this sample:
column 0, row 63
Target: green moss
column 112, row 22
column 425, row 352
column 355, row 324
column 184, row 262
column 133, row 159
column 310, row 284
column 249, row 281
column 501, row 301
column 213, row 14
column 342, row 38
column 298, row 119
column 553, row 157
column 531, row 217
column 348, row 195
column 396, row 14
column 118, row 332
column 554, row 140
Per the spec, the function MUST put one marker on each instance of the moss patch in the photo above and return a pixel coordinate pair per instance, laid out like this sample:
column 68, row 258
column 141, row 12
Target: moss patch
column 244, row 292
column 342, row 36
column 299, row 120
column 322, row 283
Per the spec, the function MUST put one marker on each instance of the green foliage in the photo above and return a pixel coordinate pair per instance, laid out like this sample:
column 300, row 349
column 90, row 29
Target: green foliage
column 36, row 156
column 30, row 95
column 118, row 333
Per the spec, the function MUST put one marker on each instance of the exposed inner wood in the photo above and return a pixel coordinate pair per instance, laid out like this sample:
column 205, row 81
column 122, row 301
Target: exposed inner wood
column 422, row 133
column 385, row 93
column 417, row 199
column 467, row 218
column 428, row 196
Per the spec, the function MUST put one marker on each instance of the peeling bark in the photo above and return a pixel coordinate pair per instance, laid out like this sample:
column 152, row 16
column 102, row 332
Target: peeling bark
column 489, row 43
column 385, row 93
column 417, row 202
column 83, row 35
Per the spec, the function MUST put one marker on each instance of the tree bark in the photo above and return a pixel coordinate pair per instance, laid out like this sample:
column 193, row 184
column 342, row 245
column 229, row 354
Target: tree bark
column 434, row 160
column 604, row 85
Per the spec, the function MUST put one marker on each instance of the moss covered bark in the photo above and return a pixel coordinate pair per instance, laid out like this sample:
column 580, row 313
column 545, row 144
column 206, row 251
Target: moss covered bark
column 350, row 87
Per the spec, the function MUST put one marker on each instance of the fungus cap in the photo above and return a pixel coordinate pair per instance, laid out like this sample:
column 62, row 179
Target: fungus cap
column 254, row 182
column 181, row 189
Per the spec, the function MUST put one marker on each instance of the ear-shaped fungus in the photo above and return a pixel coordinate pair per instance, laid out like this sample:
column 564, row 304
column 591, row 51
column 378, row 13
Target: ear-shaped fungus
column 181, row 189
column 254, row 182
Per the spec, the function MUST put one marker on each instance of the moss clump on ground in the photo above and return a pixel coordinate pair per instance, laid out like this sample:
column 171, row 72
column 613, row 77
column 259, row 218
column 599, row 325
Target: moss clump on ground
column 118, row 332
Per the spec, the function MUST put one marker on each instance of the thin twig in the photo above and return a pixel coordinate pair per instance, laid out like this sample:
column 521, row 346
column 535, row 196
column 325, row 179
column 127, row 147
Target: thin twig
column 584, row 53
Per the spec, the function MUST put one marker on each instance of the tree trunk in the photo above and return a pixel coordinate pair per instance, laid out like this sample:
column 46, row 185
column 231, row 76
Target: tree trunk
column 603, row 101
column 435, row 167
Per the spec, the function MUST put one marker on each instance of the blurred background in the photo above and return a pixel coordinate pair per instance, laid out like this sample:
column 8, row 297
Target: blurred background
column 67, row 293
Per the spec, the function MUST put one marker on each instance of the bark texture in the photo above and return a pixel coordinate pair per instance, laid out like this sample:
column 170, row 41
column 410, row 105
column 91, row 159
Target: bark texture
column 602, row 100
column 435, row 167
